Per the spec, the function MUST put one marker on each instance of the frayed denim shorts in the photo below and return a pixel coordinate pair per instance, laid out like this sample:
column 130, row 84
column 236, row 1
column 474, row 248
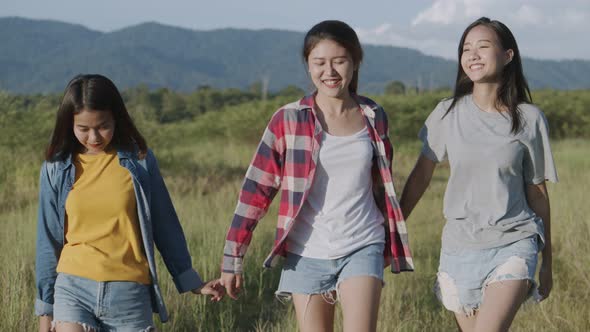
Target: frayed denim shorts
column 304, row 275
column 464, row 274
column 121, row 306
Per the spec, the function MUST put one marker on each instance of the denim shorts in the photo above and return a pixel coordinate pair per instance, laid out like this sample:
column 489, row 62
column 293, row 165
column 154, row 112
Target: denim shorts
column 121, row 306
column 304, row 275
column 464, row 274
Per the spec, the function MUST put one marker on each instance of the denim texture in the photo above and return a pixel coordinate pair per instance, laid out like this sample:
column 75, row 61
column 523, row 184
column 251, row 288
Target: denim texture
column 111, row 306
column 304, row 275
column 157, row 218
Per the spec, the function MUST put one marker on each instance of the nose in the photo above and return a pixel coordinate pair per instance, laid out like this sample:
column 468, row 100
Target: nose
column 94, row 136
column 473, row 55
column 330, row 67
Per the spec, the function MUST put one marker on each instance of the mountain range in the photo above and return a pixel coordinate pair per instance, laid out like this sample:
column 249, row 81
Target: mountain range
column 40, row 56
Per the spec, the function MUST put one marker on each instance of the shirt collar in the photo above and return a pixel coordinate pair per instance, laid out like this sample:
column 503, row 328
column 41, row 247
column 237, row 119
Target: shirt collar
column 367, row 106
column 122, row 154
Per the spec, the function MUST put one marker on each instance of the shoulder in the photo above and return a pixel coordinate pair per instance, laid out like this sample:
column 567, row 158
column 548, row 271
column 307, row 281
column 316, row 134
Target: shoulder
column 51, row 170
column 296, row 111
column 367, row 101
column 439, row 113
column 146, row 160
column 445, row 103
column 56, row 164
column 532, row 117
column 369, row 104
column 150, row 158
column 531, row 112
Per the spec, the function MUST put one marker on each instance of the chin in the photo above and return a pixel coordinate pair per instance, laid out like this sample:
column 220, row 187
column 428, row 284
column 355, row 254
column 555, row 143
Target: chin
column 333, row 93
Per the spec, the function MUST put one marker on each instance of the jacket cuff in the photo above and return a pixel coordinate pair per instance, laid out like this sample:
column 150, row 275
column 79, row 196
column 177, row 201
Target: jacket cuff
column 188, row 280
column 43, row 308
column 232, row 264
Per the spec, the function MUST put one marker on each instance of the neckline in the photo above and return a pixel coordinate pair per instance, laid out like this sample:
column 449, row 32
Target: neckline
column 478, row 110
column 356, row 134
column 92, row 157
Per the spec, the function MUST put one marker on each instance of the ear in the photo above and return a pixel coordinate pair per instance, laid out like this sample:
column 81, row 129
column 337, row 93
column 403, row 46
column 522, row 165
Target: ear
column 509, row 55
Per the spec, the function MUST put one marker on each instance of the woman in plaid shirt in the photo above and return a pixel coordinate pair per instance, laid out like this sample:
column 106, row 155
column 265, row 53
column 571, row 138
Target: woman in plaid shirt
column 339, row 221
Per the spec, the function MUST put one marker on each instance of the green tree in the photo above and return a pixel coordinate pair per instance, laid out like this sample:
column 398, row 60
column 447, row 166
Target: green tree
column 395, row 88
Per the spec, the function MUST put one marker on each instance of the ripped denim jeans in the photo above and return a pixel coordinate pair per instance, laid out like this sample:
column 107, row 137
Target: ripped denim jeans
column 464, row 274
column 304, row 275
column 112, row 306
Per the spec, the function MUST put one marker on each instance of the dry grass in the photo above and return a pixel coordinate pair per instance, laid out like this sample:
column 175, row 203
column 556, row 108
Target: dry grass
column 204, row 188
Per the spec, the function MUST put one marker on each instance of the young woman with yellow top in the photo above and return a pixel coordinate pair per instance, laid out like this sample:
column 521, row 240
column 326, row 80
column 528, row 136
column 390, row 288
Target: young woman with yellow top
column 102, row 206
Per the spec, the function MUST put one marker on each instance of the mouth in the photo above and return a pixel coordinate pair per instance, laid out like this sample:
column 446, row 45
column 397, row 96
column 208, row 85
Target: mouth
column 332, row 83
column 476, row 67
column 95, row 145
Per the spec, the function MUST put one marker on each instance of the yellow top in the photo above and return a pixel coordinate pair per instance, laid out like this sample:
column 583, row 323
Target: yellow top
column 103, row 239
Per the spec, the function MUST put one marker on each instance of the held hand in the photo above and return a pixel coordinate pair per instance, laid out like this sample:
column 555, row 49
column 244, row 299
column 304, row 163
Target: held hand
column 232, row 283
column 212, row 288
column 45, row 324
column 545, row 280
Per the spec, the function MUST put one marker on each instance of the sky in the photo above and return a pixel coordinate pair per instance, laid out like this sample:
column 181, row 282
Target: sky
column 544, row 29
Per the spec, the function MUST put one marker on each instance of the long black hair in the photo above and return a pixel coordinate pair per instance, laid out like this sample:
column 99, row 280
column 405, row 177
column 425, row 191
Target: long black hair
column 513, row 89
column 342, row 34
column 97, row 93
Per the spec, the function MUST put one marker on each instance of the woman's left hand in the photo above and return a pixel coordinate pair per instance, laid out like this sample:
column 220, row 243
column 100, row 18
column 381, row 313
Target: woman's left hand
column 212, row 288
column 545, row 280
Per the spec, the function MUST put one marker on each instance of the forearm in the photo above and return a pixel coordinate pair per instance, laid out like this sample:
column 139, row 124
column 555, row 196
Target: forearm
column 538, row 200
column 416, row 184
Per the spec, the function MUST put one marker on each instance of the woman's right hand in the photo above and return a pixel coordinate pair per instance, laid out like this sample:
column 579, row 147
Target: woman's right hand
column 45, row 323
column 232, row 283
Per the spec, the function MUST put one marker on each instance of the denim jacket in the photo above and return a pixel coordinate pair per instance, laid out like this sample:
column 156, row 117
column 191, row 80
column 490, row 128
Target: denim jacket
column 157, row 221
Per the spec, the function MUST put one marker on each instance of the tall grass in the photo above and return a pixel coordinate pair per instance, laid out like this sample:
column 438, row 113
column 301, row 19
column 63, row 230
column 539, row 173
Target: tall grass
column 204, row 179
column 203, row 162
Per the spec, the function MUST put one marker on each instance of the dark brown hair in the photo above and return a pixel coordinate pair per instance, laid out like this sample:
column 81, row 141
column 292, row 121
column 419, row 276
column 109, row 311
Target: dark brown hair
column 342, row 34
column 513, row 89
column 97, row 93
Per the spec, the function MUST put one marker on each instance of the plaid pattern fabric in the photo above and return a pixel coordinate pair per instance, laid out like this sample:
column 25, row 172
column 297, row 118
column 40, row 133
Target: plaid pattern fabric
column 286, row 161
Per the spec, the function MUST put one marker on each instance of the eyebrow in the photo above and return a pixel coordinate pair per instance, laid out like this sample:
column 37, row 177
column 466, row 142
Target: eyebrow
column 480, row 40
column 99, row 125
column 336, row 57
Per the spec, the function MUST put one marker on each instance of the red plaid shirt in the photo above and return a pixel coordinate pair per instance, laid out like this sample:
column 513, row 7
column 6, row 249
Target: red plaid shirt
column 286, row 160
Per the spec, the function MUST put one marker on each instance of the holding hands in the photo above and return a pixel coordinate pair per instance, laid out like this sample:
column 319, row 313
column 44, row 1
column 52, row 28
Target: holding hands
column 213, row 288
column 232, row 283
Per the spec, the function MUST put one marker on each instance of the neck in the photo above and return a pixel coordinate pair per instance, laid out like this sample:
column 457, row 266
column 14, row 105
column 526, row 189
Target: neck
column 485, row 96
column 335, row 105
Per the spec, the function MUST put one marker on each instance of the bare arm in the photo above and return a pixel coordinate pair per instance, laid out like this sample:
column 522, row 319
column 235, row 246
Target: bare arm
column 538, row 200
column 416, row 184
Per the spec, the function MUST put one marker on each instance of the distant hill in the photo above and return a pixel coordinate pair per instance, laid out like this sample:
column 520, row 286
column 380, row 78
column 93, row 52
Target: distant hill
column 38, row 56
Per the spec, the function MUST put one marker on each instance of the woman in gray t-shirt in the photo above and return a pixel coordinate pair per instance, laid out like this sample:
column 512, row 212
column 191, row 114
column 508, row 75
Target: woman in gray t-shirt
column 496, row 202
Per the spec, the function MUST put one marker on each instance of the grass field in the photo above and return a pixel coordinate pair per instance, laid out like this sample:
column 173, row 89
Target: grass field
column 204, row 179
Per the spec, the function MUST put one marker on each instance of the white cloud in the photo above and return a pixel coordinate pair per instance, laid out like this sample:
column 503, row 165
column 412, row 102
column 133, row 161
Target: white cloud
column 387, row 34
column 529, row 15
column 448, row 12
column 442, row 12
column 543, row 28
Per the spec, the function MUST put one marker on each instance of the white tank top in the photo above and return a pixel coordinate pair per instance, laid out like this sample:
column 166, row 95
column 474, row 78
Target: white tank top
column 340, row 214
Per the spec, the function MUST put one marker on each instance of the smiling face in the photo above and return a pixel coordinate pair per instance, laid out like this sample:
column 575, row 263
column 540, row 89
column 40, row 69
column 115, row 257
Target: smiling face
column 331, row 68
column 94, row 130
column 483, row 57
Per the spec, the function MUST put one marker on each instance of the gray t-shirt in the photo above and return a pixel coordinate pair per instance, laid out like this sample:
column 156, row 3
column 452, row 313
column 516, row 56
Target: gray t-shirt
column 485, row 202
